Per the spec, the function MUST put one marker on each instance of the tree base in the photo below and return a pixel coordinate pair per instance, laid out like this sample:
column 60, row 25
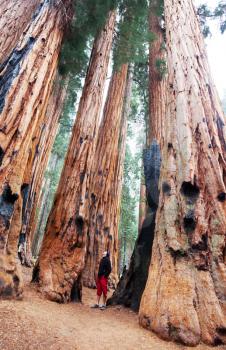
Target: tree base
column 63, row 294
column 76, row 291
column 11, row 286
column 132, row 283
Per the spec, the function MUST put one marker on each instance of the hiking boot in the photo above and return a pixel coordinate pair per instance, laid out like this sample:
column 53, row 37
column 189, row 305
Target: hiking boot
column 103, row 307
column 95, row 306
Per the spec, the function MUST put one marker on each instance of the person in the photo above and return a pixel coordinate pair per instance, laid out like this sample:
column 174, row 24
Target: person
column 102, row 280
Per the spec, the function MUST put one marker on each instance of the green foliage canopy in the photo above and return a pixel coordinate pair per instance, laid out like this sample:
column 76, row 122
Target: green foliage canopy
column 218, row 13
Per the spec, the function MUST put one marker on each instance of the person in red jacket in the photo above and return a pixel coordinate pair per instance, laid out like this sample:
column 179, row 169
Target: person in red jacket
column 102, row 280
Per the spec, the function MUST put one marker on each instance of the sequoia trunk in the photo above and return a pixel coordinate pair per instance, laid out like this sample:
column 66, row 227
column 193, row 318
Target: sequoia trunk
column 42, row 143
column 132, row 283
column 26, row 81
column 157, row 81
column 184, row 296
column 105, row 186
column 62, row 256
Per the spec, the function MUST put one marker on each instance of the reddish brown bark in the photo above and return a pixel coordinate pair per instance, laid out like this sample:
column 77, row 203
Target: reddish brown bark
column 132, row 283
column 105, row 186
column 62, row 255
column 184, row 296
column 14, row 18
column 42, row 143
column 157, row 81
column 26, row 81
column 118, row 180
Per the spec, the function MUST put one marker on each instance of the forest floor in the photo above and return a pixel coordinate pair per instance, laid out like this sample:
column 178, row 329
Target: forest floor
column 37, row 324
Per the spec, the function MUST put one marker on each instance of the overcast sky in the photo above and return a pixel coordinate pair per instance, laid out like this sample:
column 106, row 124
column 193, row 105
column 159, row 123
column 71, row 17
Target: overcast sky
column 216, row 48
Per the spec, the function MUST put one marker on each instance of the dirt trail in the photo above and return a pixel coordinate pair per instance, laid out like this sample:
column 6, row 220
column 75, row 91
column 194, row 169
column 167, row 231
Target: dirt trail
column 38, row 324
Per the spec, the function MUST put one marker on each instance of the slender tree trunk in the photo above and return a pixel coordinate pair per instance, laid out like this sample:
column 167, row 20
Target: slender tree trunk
column 131, row 286
column 36, row 243
column 26, row 81
column 118, row 181
column 105, row 188
column 124, row 248
column 184, row 296
column 62, row 256
column 43, row 140
column 15, row 16
column 44, row 204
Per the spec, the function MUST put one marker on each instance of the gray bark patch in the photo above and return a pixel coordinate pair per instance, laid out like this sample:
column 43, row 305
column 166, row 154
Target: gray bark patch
column 10, row 69
column 152, row 164
column 7, row 200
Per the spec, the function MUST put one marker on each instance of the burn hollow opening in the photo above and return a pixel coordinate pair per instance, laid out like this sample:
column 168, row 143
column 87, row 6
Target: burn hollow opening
column 76, row 291
column 218, row 341
column 2, row 153
column 8, row 196
column 166, row 188
column 221, row 197
column 189, row 222
column 221, row 330
column 189, row 190
column 202, row 244
column 79, row 222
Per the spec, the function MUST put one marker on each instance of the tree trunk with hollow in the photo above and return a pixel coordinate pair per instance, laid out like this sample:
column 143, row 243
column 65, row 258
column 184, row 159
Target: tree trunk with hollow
column 184, row 298
column 62, row 256
column 132, row 283
column 26, row 82
column 105, row 189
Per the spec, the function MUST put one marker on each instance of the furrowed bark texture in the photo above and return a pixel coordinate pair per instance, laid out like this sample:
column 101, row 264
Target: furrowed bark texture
column 44, row 205
column 42, row 143
column 157, row 81
column 62, row 256
column 26, row 81
column 131, row 286
column 14, row 18
column 118, row 180
column 105, row 186
column 184, row 298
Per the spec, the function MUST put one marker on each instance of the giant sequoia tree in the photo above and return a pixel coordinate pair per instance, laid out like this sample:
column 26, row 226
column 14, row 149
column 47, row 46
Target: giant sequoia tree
column 63, row 251
column 105, row 191
column 184, row 296
column 27, row 74
column 132, row 283
column 105, row 183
